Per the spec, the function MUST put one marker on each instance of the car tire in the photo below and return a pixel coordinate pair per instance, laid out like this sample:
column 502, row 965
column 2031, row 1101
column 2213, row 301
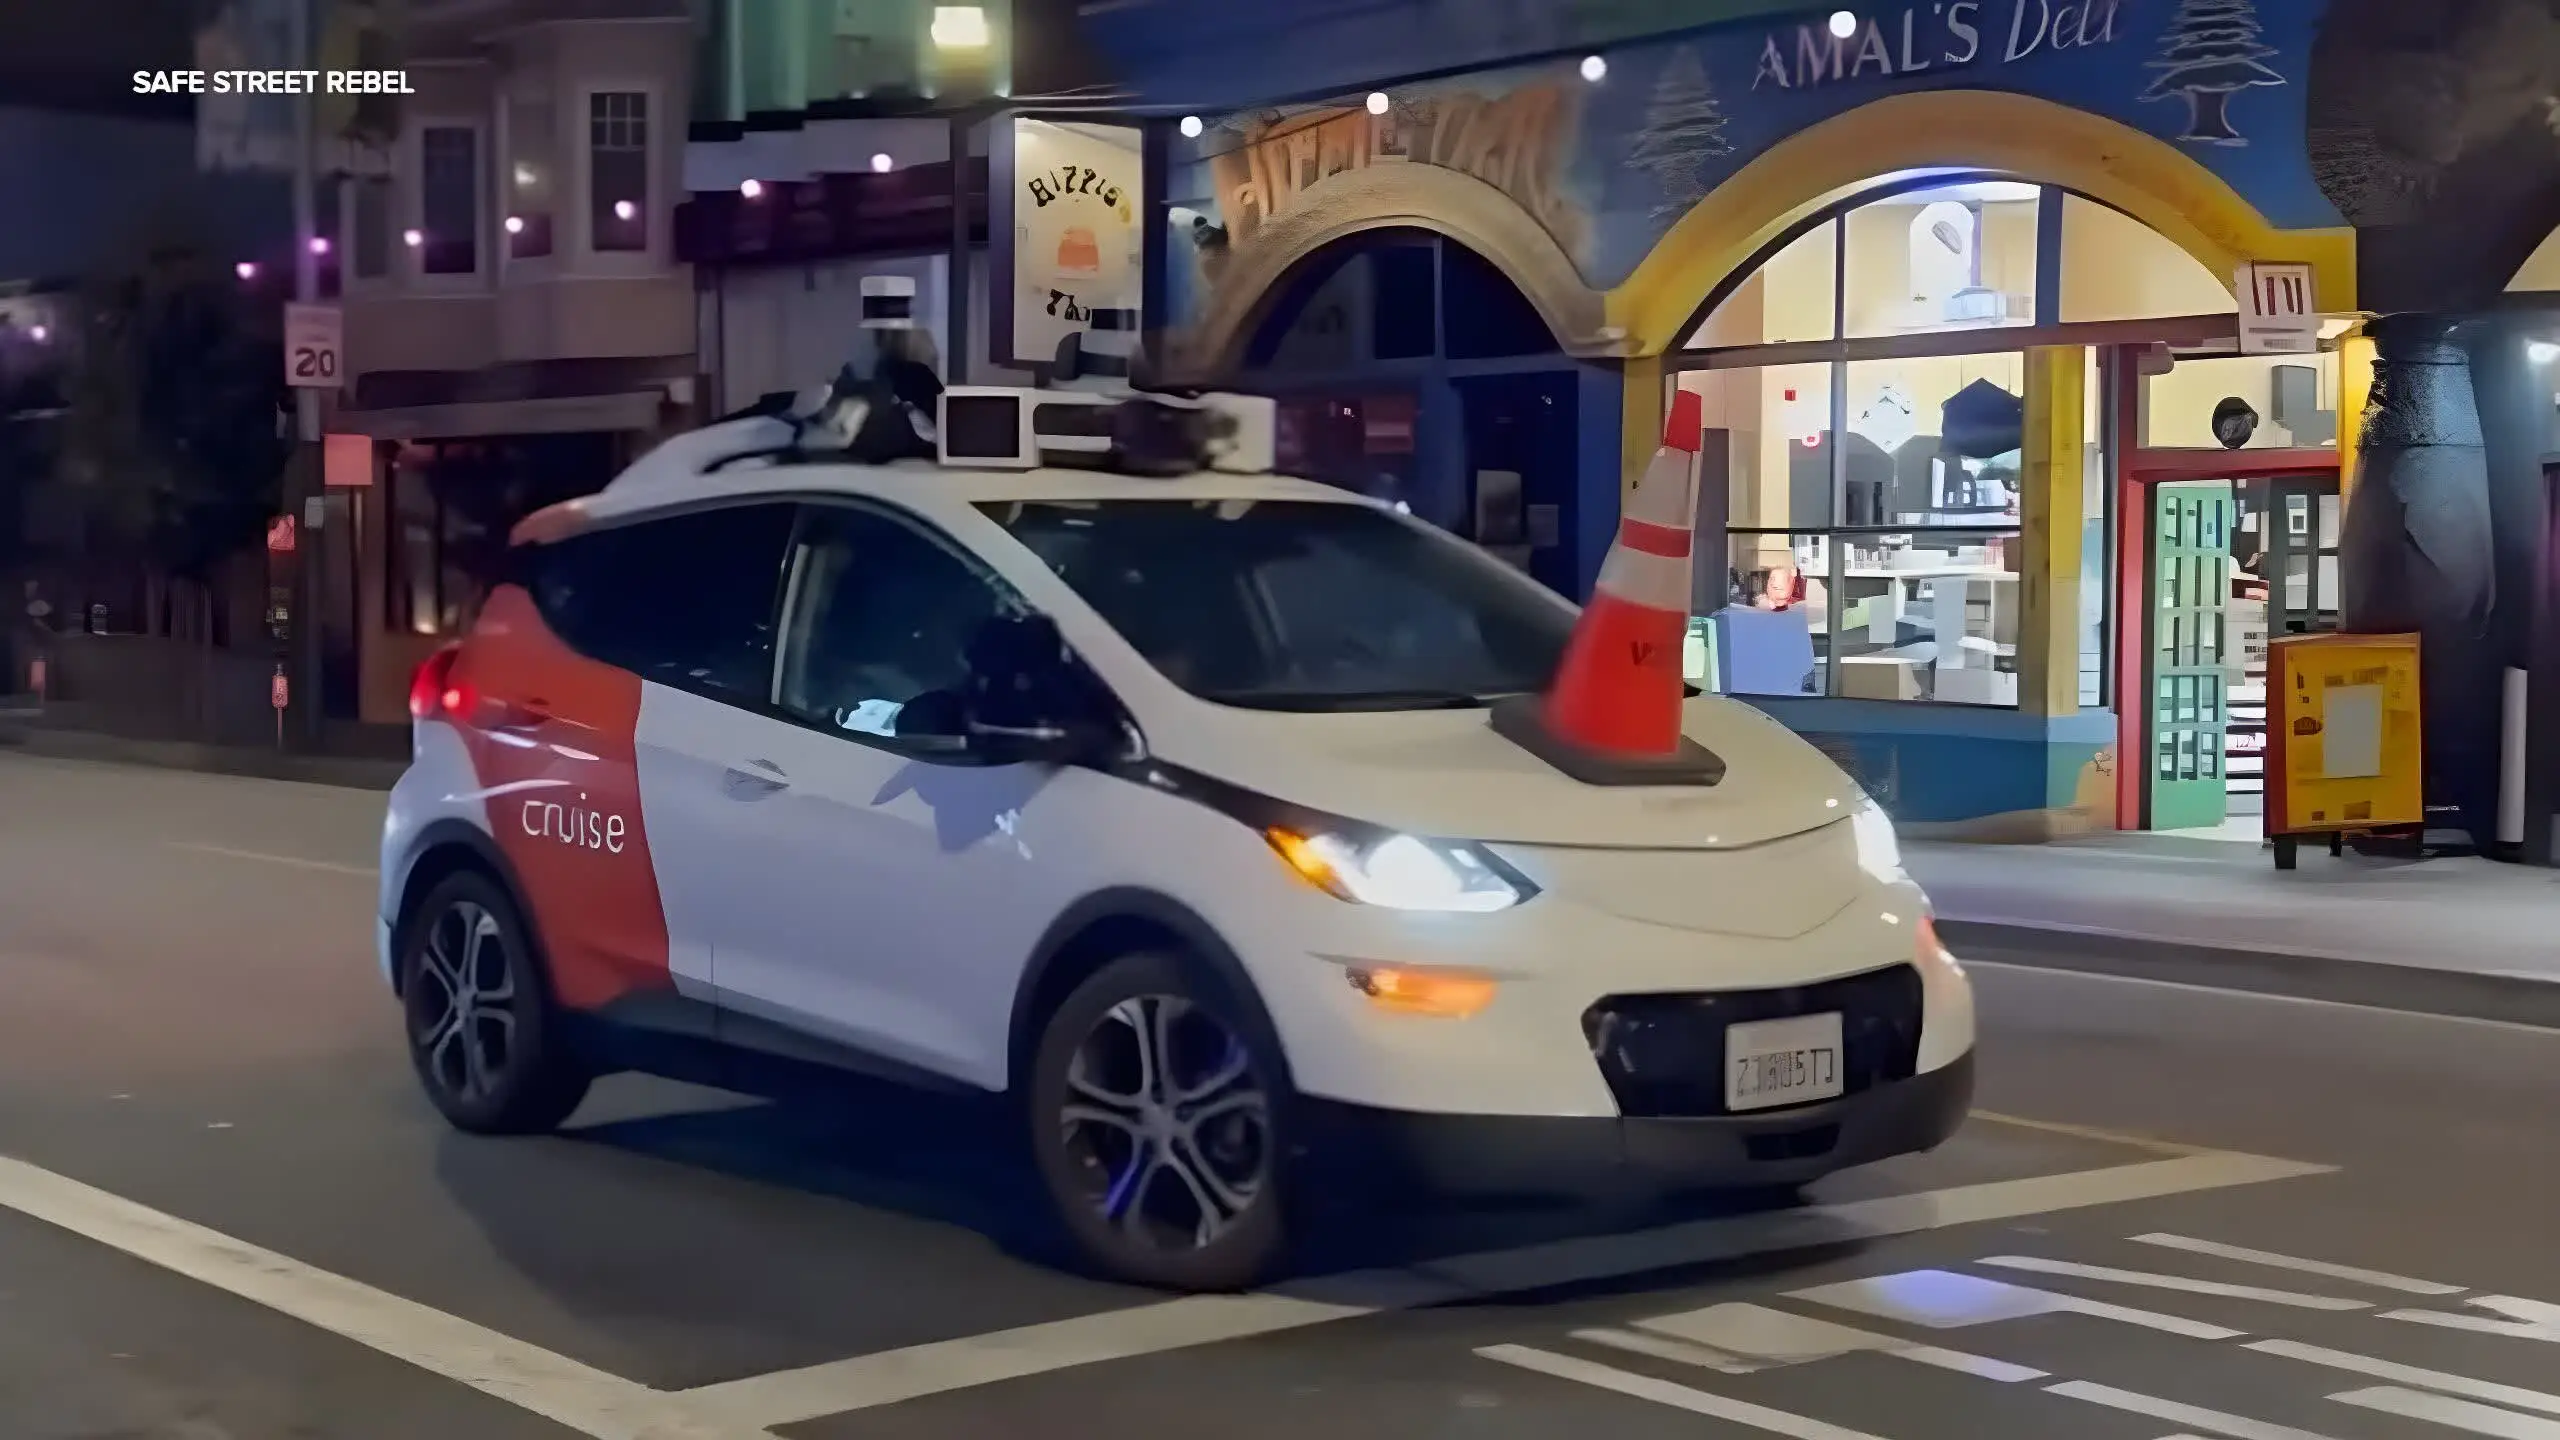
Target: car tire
column 1163, row 1171
column 477, row 1013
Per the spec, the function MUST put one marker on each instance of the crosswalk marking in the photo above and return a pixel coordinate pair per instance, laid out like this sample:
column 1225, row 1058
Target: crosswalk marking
column 2526, row 1319
column 2380, row 1280
column 2181, row 1283
column 1755, row 1337
column 1948, row 1300
column 2514, row 1395
column 1662, row 1347
column 2468, row 1415
column 2212, row 1422
column 1665, row 1392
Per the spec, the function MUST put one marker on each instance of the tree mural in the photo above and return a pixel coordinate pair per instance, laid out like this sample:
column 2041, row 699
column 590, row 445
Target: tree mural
column 1683, row 132
column 2210, row 53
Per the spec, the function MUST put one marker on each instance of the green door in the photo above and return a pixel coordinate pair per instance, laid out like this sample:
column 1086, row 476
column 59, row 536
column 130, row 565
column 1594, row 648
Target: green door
column 2191, row 525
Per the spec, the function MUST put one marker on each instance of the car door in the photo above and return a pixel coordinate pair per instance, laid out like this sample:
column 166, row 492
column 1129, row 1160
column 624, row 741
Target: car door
column 685, row 606
column 897, row 908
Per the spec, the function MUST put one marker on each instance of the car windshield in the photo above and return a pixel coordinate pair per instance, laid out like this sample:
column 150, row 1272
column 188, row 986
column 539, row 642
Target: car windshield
column 1301, row 604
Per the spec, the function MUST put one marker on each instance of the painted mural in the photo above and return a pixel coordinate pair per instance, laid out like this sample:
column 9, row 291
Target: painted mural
column 1604, row 158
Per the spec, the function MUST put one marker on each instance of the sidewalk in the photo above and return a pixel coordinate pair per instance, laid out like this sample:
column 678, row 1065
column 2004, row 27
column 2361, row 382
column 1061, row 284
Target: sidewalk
column 356, row 761
column 2453, row 916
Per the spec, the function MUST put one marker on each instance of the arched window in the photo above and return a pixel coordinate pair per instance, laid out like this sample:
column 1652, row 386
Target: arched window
column 1865, row 388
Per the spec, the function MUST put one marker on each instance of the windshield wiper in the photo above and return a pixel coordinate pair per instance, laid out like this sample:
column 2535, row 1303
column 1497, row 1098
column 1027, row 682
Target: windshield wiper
column 1320, row 701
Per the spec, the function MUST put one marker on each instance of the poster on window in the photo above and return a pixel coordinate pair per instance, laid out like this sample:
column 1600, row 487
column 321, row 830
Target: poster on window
column 1074, row 246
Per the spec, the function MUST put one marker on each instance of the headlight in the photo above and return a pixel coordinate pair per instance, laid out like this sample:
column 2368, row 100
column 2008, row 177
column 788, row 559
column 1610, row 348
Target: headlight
column 1401, row 872
column 1879, row 850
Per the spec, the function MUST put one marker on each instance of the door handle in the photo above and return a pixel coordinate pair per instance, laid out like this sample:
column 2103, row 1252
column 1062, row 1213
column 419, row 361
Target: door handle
column 754, row 780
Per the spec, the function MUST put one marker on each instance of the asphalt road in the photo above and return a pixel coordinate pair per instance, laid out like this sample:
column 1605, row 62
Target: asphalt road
column 225, row 1215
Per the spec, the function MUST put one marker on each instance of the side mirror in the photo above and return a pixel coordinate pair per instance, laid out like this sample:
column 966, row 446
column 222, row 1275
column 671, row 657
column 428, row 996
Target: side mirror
column 1029, row 700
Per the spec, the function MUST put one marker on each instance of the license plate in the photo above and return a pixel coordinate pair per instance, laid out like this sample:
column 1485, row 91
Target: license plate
column 1781, row 1062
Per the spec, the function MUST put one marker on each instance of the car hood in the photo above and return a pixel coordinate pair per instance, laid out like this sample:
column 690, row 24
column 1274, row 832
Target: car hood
column 1446, row 774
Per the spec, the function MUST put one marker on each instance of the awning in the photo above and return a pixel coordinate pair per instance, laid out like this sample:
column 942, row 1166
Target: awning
column 559, row 415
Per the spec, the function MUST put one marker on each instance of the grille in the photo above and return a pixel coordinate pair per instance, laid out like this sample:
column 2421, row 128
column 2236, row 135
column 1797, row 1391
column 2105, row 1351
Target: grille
column 1663, row 1055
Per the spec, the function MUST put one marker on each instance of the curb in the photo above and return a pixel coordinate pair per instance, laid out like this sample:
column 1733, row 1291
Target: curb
column 344, row 771
column 2336, row 979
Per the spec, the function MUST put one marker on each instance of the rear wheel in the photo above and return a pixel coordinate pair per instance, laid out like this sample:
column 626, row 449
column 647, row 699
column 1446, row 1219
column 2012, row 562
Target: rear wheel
column 479, row 1014
column 1157, row 1108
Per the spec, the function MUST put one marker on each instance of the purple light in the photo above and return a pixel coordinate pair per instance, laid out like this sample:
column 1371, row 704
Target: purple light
column 413, row 238
column 39, row 333
column 751, row 188
column 246, row 269
column 624, row 210
column 515, row 224
column 319, row 244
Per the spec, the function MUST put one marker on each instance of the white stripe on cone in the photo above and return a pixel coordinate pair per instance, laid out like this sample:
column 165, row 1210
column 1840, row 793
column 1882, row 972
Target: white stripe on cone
column 1640, row 577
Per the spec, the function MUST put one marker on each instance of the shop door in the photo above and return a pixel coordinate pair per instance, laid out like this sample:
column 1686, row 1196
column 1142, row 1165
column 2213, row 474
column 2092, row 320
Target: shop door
column 2191, row 525
column 1521, row 469
column 2302, row 556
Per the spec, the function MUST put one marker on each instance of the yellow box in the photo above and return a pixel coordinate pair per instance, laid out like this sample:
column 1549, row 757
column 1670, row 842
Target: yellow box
column 2344, row 732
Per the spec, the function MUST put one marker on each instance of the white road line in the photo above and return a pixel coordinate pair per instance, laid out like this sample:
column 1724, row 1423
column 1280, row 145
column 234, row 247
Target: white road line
column 887, row 1377
column 1760, row 1338
column 296, row 862
column 2212, row 1422
column 2380, row 1280
column 580, row 1397
column 2468, row 1415
column 2228, row 992
column 1664, row 1392
column 2184, row 1285
column 1948, row 1300
column 2526, row 1319
column 2490, row 1390
column 1661, row 1347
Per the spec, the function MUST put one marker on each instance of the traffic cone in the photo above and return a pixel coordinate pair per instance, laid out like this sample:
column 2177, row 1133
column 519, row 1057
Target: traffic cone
column 1612, row 717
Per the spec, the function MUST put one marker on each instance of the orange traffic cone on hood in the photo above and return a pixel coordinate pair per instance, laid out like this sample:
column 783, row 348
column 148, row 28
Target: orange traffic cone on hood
column 1612, row 716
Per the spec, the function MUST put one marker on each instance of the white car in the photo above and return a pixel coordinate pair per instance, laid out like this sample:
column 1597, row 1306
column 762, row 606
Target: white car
column 1165, row 807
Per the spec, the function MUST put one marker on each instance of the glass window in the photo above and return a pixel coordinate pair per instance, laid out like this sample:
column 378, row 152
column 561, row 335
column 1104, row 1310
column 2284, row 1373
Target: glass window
column 1792, row 296
column 686, row 601
column 2095, row 535
column 533, row 144
column 618, row 170
column 2267, row 402
column 1302, row 605
column 1772, row 635
column 1954, row 257
column 1929, row 616
column 886, row 614
column 2114, row 267
column 1767, row 446
column 449, row 200
column 1934, row 440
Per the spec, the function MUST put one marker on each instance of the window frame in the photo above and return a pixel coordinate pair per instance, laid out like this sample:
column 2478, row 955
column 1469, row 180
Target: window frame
column 358, row 278
column 502, row 181
column 655, row 214
column 420, row 277
column 773, row 603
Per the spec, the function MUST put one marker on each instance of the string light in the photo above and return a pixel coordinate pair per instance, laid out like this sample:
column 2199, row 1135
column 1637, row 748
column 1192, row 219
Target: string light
column 752, row 189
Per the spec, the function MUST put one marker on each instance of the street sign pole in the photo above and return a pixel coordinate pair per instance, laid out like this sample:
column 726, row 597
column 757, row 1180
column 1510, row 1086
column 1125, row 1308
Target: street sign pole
column 303, row 471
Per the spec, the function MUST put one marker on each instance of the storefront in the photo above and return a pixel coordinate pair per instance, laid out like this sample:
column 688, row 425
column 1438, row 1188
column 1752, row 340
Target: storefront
column 1990, row 495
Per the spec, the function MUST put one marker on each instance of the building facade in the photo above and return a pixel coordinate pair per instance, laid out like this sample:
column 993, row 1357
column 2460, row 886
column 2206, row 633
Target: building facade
column 1993, row 504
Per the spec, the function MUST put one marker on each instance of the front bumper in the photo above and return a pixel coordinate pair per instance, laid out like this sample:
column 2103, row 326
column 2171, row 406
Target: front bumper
column 1576, row 1157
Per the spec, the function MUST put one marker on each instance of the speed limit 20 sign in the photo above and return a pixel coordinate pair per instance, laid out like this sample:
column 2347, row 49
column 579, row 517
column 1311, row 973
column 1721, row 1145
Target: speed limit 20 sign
column 314, row 347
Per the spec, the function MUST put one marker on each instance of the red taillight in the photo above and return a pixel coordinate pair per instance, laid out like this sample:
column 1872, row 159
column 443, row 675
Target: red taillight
column 434, row 692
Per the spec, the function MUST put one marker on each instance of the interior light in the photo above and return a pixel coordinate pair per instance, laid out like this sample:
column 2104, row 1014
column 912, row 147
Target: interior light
column 39, row 333
column 319, row 244
column 881, row 164
column 959, row 27
column 1843, row 24
column 1191, row 127
column 625, row 210
column 751, row 188
column 246, row 269
column 525, row 177
column 413, row 238
column 515, row 224
column 1594, row 69
column 1399, row 872
column 1378, row 102
column 1449, row 994
column 2541, row 352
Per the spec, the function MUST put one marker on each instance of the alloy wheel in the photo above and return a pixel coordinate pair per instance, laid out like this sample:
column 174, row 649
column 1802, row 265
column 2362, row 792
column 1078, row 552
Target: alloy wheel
column 462, row 1003
column 1168, row 1122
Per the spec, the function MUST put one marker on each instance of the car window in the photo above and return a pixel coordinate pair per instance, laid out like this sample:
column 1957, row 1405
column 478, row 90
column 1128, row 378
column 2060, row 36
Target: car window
column 882, row 612
column 1301, row 605
column 687, row 600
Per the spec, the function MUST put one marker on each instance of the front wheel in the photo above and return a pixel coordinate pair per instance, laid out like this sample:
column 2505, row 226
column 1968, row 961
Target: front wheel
column 479, row 1015
column 1157, row 1110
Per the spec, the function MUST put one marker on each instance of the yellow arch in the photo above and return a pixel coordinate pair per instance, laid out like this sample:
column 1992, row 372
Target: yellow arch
column 2149, row 179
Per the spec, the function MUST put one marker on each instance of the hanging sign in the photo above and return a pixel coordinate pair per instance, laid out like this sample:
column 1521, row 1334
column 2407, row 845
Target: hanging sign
column 1075, row 208
column 2276, row 314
